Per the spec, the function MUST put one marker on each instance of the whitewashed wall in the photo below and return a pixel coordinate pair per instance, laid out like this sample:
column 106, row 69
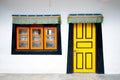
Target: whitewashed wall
column 58, row 63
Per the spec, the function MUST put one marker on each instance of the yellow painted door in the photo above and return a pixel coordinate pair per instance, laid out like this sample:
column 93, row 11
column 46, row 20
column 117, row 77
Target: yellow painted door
column 84, row 47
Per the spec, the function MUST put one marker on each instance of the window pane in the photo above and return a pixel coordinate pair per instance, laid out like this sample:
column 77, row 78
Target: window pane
column 22, row 38
column 50, row 44
column 50, row 38
column 36, row 31
column 49, row 32
column 22, row 31
column 36, row 44
column 36, row 38
column 23, row 44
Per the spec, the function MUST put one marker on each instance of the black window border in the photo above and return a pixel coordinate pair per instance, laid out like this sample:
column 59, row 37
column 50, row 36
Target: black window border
column 14, row 51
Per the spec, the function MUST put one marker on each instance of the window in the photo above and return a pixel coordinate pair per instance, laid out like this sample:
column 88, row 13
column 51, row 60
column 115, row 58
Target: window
column 36, row 34
column 36, row 39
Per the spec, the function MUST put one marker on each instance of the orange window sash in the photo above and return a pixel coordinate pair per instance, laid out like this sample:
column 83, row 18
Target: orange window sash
column 36, row 35
column 18, row 37
column 52, row 35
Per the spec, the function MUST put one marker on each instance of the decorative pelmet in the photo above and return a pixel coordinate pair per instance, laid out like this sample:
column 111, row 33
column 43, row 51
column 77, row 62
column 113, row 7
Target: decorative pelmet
column 85, row 18
column 36, row 19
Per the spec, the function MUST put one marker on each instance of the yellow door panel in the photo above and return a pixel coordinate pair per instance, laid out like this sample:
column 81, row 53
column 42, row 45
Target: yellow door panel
column 79, row 59
column 79, row 35
column 88, row 31
column 84, row 46
column 88, row 57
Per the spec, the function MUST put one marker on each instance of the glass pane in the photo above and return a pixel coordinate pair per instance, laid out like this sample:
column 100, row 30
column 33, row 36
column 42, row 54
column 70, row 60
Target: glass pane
column 49, row 31
column 36, row 31
column 36, row 44
column 50, row 44
column 36, row 38
column 22, row 38
column 50, row 38
column 22, row 31
column 23, row 44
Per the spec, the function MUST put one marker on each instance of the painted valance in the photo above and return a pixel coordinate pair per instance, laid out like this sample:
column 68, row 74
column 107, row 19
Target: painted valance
column 36, row 19
column 85, row 18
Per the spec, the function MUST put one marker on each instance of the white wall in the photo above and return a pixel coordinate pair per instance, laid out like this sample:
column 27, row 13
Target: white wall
column 57, row 63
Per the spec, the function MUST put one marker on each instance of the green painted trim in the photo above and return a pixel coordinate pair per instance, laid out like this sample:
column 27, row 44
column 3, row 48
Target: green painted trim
column 85, row 18
column 36, row 20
